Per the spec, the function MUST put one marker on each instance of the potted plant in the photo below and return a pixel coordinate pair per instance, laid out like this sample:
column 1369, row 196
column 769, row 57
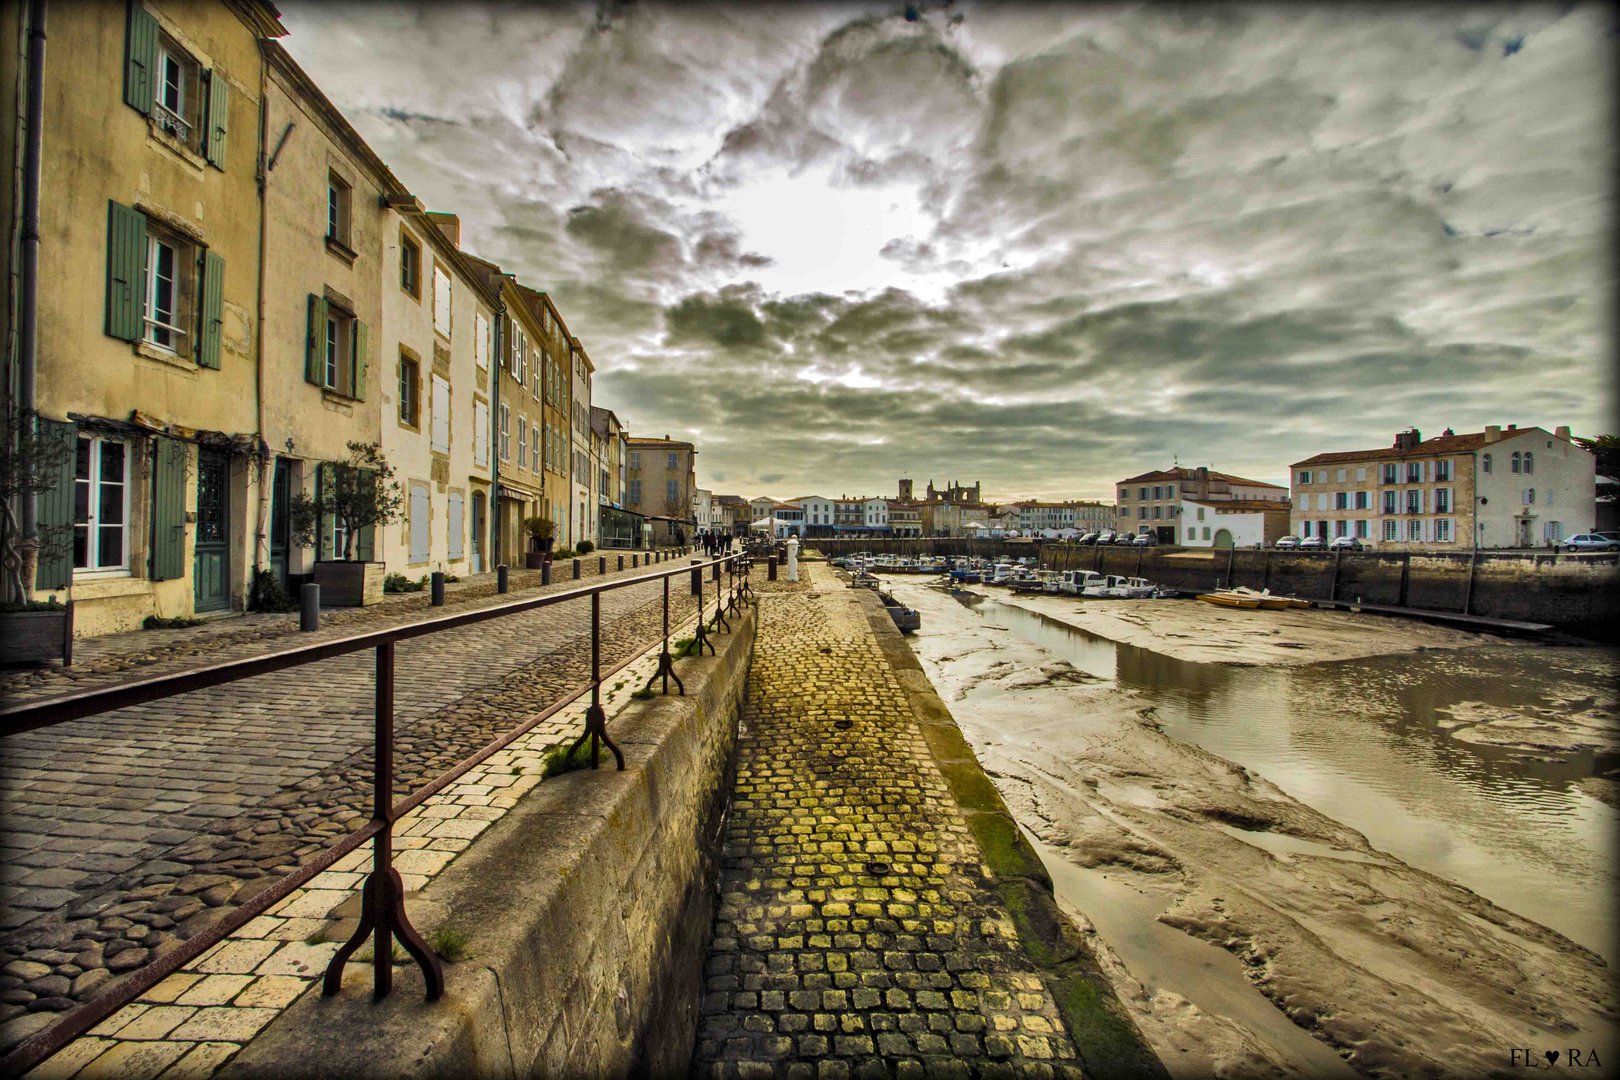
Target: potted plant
column 34, row 459
column 362, row 494
column 542, row 534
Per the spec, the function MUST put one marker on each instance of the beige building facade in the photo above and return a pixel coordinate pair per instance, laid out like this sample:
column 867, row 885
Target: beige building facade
column 148, row 348
column 1151, row 501
column 660, row 480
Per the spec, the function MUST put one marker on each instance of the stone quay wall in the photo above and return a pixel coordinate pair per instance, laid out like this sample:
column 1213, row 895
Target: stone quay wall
column 586, row 911
column 1578, row 592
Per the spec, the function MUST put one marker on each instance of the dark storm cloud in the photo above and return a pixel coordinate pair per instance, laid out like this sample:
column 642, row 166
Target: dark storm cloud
column 1037, row 244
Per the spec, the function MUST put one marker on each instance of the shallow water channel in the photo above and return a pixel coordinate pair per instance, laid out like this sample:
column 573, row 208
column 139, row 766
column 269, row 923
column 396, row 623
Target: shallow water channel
column 1366, row 742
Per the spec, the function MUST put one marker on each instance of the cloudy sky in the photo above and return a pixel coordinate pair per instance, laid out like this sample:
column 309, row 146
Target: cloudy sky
column 1042, row 246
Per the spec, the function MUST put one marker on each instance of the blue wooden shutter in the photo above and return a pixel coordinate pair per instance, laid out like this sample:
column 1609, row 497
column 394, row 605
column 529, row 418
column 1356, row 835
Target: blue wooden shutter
column 169, row 510
column 54, row 507
column 213, row 310
column 219, row 109
column 126, row 270
column 140, row 59
column 315, row 342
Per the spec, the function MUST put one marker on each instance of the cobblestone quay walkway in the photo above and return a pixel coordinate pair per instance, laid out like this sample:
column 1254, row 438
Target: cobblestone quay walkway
column 857, row 934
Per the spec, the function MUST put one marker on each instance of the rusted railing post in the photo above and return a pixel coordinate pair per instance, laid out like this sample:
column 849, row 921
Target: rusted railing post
column 700, row 638
column 382, row 898
column 719, row 603
column 666, row 662
column 596, row 716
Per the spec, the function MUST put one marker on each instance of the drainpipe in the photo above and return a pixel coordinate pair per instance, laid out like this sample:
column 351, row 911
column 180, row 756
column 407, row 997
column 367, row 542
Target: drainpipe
column 28, row 314
column 496, row 361
column 266, row 466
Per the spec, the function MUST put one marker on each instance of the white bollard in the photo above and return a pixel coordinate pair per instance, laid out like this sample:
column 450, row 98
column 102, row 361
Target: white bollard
column 793, row 559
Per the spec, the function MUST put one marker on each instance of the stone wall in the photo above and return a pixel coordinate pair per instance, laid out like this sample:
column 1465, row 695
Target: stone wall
column 1579, row 592
column 586, row 909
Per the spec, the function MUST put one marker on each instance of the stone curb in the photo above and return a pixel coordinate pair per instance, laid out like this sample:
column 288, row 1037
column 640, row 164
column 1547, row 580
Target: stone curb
column 1105, row 1036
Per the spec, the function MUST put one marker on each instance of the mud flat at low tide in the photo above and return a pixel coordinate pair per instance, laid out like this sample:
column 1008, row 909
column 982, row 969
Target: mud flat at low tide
column 1253, row 933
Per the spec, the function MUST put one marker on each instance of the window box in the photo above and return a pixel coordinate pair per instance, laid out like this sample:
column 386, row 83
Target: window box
column 349, row 583
column 36, row 637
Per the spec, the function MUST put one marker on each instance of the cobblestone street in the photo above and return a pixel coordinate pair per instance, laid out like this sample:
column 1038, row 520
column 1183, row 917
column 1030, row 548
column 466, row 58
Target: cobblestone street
column 130, row 831
column 856, row 933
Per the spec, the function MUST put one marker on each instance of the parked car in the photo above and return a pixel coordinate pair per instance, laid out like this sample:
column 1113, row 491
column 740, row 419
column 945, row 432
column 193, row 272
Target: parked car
column 1087, row 538
column 1144, row 540
column 1311, row 543
column 1592, row 542
column 1286, row 543
column 1125, row 538
column 1346, row 543
column 1105, row 537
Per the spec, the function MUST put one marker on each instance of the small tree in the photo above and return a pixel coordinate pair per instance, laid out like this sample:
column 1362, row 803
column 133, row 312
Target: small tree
column 1606, row 448
column 31, row 463
column 363, row 493
column 541, row 530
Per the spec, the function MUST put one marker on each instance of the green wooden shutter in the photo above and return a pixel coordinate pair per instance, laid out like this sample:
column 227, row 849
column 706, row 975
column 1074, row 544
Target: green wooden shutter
column 169, row 510
column 325, row 476
column 54, row 508
column 315, row 344
column 219, row 109
column 140, row 59
column 126, row 270
column 213, row 310
column 362, row 341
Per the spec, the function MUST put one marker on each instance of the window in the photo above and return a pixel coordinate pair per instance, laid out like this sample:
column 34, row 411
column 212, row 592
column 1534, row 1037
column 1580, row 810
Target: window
column 1141, row 513
column 1516, row 461
column 1341, row 528
column 1389, row 502
column 1170, row 491
column 1529, row 496
column 1414, row 529
column 177, row 97
column 169, row 290
column 506, row 433
column 520, row 354
column 1200, row 513
column 1391, row 473
column 339, row 350
column 1414, row 502
column 672, row 491
column 1341, row 500
column 410, row 406
column 1363, row 500
column 1442, row 500
column 441, row 301
column 481, row 341
column 674, row 461
column 440, row 438
column 635, row 459
column 1304, row 476
column 1442, row 530
column 1340, row 476
column 410, row 264
column 1391, row 530
column 1414, row 472
column 1192, row 532
column 101, row 505
column 634, row 494
column 1529, row 462
column 1158, row 512
column 1442, row 469
column 1142, row 493
column 481, row 433
column 523, row 443
column 338, row 198
column 1361, row 475
column 1486, row 462
column 1361, row 528
column 1206, row 532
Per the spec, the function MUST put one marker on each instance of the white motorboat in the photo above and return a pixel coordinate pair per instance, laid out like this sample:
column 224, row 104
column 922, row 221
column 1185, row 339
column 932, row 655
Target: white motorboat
column 1075, row 582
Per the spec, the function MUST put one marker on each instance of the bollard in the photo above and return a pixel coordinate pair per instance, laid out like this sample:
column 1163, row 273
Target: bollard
column 697, row 577
column 601, row 564
column 437, row 585
column 770, row 568
column 576, row 570
column 309, row 607
column 545, row 572
column 502, row 578
column 717, row 571
column 621, row 562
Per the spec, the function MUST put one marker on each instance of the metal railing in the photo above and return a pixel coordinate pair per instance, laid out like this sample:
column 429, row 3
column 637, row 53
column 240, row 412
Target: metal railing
column 383, row 915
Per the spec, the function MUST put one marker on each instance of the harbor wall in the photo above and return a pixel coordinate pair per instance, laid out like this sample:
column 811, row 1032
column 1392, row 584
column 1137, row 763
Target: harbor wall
column 1575, row 592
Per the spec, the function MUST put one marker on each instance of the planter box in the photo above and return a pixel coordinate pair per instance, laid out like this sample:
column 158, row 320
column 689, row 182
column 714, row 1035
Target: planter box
column 36, row 637
column 349, row 584
column 534, row 560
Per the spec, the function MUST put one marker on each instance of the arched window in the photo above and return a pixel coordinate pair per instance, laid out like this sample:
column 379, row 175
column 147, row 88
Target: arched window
column 1487, row 463
column 1529, row 462
column 1516, row 459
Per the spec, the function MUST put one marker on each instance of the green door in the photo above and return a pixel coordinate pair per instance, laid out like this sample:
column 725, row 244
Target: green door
column 280, row 520
column 1223, row 538
column 212, row 555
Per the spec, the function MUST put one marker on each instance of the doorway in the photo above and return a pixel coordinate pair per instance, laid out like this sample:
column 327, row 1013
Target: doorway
column 479, row 516
column 211, row 562
column 280, row 520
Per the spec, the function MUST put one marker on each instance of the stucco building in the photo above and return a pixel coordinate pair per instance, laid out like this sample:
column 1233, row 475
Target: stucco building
column 660, row 480
column 1500, row 487
column 1152, row 501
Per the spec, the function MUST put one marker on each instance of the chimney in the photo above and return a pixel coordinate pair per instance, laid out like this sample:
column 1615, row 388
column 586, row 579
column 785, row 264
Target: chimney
column 1493, row 432
column 1562, row 432
column 449, row 224
column 1513, row 427
column 1448, row 432
column 1408, row 439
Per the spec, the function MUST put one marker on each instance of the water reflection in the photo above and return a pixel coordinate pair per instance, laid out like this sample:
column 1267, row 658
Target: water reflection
column 1366, row 742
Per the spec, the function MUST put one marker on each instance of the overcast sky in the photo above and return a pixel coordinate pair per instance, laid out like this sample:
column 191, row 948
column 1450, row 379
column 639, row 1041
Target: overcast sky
column 1043, row 246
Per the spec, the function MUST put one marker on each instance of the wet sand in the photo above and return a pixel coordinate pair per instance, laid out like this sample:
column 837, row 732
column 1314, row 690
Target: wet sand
column 1394, row 970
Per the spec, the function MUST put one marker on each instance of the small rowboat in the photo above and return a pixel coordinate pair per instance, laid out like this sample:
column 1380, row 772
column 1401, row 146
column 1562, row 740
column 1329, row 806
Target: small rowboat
column 1268, row 601
column 1229, row 600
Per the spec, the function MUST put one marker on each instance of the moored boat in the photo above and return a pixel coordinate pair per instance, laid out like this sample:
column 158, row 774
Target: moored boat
column 1226, row 599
